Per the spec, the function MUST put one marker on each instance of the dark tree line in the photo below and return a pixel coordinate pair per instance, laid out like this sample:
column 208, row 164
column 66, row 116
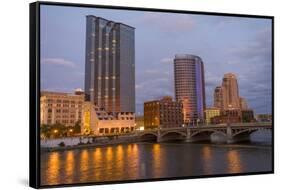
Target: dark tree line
column 59, row 130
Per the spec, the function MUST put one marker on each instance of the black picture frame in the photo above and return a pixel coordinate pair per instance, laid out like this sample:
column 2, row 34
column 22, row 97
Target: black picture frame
column 34, row 91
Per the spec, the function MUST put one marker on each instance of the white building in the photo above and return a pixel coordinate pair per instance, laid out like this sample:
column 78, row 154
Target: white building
column 97, row 121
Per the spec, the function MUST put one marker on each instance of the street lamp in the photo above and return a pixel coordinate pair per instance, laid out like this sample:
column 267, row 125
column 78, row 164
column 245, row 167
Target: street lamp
column 55, row 132
column 69, row 132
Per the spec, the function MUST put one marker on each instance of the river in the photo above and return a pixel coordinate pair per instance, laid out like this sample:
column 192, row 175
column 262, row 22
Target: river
column 155, row 160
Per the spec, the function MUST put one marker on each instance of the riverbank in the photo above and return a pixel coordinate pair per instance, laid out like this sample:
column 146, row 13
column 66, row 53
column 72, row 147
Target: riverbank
column 82, row 146
column 69, row 143
column 60, row 144
column 104, row 144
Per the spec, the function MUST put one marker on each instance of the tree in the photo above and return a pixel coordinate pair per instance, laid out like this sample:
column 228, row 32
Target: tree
column 77, row 127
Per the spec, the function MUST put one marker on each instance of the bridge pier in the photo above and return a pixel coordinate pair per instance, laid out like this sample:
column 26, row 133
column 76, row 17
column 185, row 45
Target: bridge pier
column 240, row 138
column 229, row 138
column 196, row 138
column 230, row 141
column 158, row 136
column 235, row 140
column 188, row 135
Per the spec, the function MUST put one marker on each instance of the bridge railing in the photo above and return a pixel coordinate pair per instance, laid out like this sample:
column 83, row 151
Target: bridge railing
column 256, row 124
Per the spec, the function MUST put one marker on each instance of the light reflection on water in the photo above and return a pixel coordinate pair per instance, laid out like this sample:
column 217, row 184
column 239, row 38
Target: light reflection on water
column 69, row 166
column 151, row 160
column 207, row 155
column 235, row 165
column 53, row 168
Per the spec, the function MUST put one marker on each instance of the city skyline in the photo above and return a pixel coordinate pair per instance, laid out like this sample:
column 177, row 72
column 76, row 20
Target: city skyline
column 248, row 43
column 126, row 93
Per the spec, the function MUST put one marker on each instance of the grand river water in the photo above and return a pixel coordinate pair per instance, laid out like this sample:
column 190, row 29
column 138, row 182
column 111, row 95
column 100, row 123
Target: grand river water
column 155, row 160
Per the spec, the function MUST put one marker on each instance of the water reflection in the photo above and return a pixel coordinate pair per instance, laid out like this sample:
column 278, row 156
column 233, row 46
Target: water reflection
column 156, row 160
column 120, row 160
column 207, row 157
column 97, row 163
column 54, row 166
column 108, row 158
column 70, row 164
column 234, row 163
column 84, row 164
column 133, row 161
column 149, row 160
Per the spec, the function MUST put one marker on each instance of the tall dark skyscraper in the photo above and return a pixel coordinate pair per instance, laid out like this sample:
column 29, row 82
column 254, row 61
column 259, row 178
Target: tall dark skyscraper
column 190, row 86
column 110, row 65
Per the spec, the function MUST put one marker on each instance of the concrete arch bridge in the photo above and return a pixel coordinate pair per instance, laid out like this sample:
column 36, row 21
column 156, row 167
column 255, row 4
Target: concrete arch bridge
column 229, row 133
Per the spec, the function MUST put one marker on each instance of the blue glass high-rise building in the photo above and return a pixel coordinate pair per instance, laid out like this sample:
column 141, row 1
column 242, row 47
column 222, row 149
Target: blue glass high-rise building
column 190, row 86
column 110, row 64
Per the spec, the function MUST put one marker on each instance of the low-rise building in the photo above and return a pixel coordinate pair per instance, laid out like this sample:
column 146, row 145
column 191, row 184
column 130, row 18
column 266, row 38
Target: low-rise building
column 61, row 108
column 164, row 113
column 264, row 117
column 140, row 122
column 210, row 113
column 234, row 116
column 97, row 121
column 228, row 116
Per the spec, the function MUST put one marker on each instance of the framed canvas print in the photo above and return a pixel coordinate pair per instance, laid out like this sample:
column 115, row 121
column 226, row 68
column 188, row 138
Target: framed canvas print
column 121, row 94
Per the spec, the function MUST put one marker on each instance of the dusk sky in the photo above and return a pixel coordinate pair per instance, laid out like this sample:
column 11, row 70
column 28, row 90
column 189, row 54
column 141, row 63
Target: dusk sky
column 225, row 44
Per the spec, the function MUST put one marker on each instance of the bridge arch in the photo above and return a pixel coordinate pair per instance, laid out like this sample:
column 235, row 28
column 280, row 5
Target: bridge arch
column 173, row 132
column 148, row 133
column 243, row 131
column 208, row 131
column 150, row 136
column 171, row 136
